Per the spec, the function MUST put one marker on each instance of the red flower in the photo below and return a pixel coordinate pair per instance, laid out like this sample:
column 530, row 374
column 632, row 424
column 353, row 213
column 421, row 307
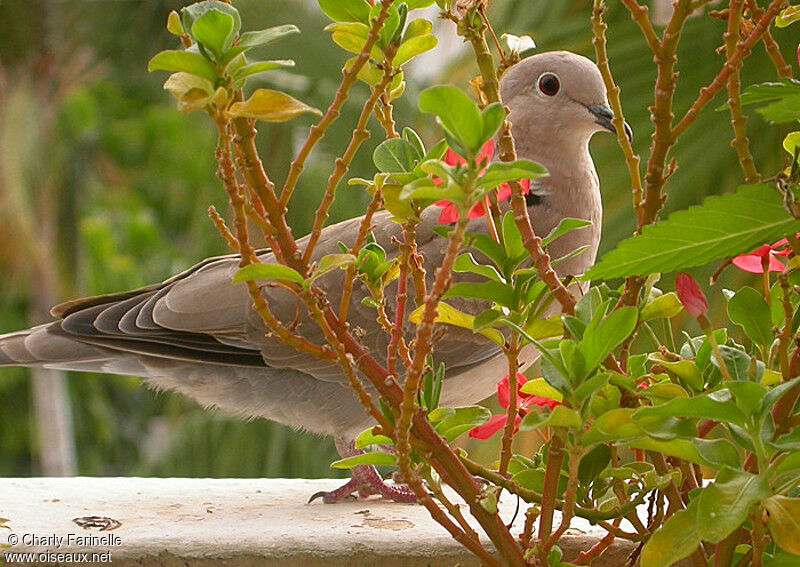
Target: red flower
column 524, row 401
column 450, row 212
column 690, row 295
column 767, row 254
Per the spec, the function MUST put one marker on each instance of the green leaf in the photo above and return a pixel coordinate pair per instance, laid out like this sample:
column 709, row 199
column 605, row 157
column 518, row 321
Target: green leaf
column 593, row 463
column 261, row 67
column 492, row 117
column 346, row 10
column 461, row 421
column 466, row 263
column 267, row 272
column 412, row 47
column 702, row 407
column 675, row 540
column 503, row 172
column 332, row 262
column 512, row 239
column 417, row 28
column 396, row 155
column 416, row 4
column 662, row 307
column 717, row 453
column 565, row 225
column 498, row 292
column 784, row 522
column 352, row 37
column 560, row 416
column 377, row 458
column 613, row 425
column 214, row 30
column 457, row 114
column 598, row 343
column 183, row 61
column 783, row 98
column 193, row 12
column 425, row 189
column 749, row 309
column 368, row 438
column 270, row 106
column 266, row 36
column 686, row 371
column 721, row 227
column 723, row 506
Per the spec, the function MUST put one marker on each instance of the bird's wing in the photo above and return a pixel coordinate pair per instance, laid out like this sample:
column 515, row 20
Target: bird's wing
column 199, row 315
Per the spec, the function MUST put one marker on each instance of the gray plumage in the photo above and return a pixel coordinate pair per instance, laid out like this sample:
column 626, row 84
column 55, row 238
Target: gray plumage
column 196, row 333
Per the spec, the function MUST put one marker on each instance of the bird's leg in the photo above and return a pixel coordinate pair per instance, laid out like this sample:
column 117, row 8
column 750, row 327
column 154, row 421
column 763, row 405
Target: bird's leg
column 365, row 481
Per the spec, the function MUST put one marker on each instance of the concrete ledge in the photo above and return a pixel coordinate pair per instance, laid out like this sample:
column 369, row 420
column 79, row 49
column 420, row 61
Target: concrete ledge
column 231, row 522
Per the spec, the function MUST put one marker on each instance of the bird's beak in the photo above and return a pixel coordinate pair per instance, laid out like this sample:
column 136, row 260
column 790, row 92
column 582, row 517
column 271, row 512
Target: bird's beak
column 604, row 117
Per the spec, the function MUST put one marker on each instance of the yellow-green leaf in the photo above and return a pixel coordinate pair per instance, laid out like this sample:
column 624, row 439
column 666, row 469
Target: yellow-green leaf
column 270, row 106
column 662, row 307
column 788, row 16
column 191, row 91
column 548, row 328
column 174, row 25
column 792, row 140
column 540, row 387
column 413, row 47
column 452, row 316
column 784, row 522
column 267, row 272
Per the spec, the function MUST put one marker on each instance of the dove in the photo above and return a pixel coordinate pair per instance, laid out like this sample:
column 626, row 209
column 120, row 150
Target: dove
column 197, row 333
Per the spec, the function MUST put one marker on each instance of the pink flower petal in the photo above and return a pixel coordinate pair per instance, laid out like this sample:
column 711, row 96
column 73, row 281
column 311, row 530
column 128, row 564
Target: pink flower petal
column 690, row 295
column 755, row 264
column 540, row 401
column 495, row 424
column 449, row 214
column 452, row 158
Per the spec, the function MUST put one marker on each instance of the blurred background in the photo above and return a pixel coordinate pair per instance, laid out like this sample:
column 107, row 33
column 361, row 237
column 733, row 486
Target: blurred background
column 104, row 187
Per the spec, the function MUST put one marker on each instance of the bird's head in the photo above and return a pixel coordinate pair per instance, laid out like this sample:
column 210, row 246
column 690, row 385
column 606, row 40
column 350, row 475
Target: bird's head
column 557, row 97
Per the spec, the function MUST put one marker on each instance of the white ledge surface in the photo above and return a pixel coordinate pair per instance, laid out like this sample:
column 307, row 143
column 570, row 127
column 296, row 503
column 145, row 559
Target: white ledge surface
column 232, row 522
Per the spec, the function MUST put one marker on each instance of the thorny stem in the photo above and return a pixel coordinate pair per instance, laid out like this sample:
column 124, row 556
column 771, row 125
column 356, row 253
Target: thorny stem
column 422, row 340
column 349, row 77
column 346, row 363
column 533, row 244
column 591, row 514
column 360, row 134
column 552, row 475
column 363, row 231
column 248, row 256
column 742, row 51
column 568, row 510
column 740, row 143
column 785, row 337
column 599, row 41
column 512, row 355
column 252, row 169
column 784, row 69
column 397, row 341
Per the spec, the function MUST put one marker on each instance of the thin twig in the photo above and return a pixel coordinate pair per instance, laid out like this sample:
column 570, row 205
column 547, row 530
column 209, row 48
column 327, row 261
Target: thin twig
column 349, row 77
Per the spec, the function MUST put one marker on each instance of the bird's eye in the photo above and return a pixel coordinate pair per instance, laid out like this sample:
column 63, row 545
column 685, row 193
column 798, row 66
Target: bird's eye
column 549, row 84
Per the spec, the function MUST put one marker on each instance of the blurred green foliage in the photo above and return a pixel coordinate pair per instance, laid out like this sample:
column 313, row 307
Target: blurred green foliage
column 126, row 181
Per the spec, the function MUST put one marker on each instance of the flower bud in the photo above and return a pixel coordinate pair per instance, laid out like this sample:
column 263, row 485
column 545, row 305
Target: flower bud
column 690, row 295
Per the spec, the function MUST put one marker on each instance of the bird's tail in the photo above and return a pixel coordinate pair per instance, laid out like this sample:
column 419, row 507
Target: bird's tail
column 47, row 346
